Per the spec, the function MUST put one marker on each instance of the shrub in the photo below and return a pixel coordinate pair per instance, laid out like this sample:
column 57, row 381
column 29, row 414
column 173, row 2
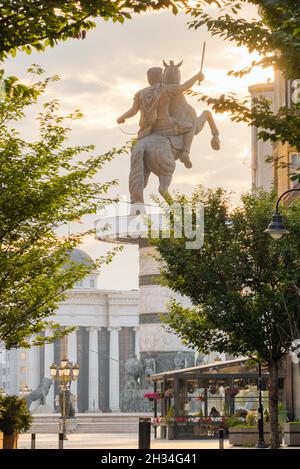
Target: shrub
column 14, row 415
column 251, row 419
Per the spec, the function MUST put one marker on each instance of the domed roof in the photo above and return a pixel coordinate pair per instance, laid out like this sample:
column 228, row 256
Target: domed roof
column 81, row 257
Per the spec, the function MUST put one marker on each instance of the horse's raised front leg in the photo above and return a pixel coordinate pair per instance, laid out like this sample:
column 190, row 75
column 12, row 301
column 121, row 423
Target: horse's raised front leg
column 207, row 116
column 164, row 184
column 146, row 177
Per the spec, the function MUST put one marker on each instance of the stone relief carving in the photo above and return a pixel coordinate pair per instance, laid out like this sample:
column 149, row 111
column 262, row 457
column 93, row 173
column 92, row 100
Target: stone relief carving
column 153, row 338
column 132, row 396
column 180, row 361
column 149, row 366
column 133, row 372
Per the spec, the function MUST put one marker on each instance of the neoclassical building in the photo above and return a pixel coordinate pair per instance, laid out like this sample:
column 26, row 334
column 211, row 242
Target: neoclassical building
column 106, row 333
column 111, row 326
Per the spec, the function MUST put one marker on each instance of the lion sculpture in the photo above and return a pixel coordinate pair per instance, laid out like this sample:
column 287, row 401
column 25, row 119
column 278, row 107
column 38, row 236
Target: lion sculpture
column 40, row 393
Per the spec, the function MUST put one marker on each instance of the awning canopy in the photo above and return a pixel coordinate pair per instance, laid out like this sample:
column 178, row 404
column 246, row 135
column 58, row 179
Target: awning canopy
column 237, row 368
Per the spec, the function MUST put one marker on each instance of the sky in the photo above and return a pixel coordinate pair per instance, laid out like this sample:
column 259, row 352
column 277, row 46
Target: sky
column 101, row 74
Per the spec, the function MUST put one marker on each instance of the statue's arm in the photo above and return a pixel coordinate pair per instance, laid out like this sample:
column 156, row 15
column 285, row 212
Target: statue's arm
column 187, row 85
column 131, row 112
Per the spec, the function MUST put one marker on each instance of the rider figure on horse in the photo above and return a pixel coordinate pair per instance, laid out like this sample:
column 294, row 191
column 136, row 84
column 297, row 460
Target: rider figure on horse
column 153, row 104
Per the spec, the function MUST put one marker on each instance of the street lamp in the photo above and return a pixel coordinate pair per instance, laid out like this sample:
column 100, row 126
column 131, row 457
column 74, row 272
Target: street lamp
column 24, row 391
column 276, row 228
column 64, row 373
column 260, row 413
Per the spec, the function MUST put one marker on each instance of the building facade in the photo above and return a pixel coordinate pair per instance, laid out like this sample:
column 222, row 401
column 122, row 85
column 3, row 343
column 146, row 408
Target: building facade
column 4, row 370
column 107, row 332
column 113, row 329
column 278, row 174
column 285, row 163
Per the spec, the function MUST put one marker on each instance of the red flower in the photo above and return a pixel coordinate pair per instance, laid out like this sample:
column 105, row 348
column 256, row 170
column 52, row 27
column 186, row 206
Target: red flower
column 152, row 395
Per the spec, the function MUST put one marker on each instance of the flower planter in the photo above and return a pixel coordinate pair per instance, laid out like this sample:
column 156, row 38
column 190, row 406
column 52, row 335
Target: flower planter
column 248, row 436
column 292, row 434
column 10, row 441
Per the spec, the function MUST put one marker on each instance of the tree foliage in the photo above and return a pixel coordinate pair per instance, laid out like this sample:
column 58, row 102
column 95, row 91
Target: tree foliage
column 240, row 276
column 35, row 24
column 275, row 35
column 15, row 417
column 242, row 284
column 45, row 183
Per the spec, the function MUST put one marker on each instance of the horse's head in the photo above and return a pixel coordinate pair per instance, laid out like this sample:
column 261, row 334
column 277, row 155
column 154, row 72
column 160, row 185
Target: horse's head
column 172, row 73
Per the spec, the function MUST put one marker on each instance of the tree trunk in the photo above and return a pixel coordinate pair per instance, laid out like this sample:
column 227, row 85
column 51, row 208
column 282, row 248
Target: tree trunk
column 273, row 404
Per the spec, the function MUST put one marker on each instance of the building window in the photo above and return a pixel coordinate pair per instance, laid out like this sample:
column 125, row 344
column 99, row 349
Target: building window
column 79, row 284
column 92, row 283
column 23, row 355
column 294, row 167
column 23, row 369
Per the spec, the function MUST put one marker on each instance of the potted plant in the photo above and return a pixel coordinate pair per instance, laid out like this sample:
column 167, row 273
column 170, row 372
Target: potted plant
column 15, row 418
column 244, row 431
column 169, row 393
column 292, row 433
column 232, row 391
column 213, row 389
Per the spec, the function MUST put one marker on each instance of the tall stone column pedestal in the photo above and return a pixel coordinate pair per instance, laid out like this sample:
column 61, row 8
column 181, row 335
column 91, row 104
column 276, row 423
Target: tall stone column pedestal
column 152, row 340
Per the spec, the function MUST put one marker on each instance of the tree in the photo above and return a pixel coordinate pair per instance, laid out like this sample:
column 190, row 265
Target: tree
column 35, row 24
column 242, row 284
column 44, row 184
column 275, row 35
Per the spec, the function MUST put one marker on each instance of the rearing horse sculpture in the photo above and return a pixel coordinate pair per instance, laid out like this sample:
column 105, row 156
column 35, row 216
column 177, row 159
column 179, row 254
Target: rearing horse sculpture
column 156, row 153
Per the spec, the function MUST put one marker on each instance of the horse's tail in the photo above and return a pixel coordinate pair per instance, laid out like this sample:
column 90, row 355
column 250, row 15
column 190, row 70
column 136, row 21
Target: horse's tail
column 136, row 175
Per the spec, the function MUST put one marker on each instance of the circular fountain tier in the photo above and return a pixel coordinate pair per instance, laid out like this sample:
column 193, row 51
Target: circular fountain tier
column 130, row 229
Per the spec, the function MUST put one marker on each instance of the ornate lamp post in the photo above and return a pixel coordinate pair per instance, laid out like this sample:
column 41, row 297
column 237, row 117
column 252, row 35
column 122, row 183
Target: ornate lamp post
column 64, row 373
column 276, row 228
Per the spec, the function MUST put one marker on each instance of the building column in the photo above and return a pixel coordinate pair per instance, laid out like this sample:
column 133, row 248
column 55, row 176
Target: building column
column 14, row 365
column 93, row 370
column 33, row 368
column 114, row 376
column 48, row 361
column 137, row 341
column 72, row 356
